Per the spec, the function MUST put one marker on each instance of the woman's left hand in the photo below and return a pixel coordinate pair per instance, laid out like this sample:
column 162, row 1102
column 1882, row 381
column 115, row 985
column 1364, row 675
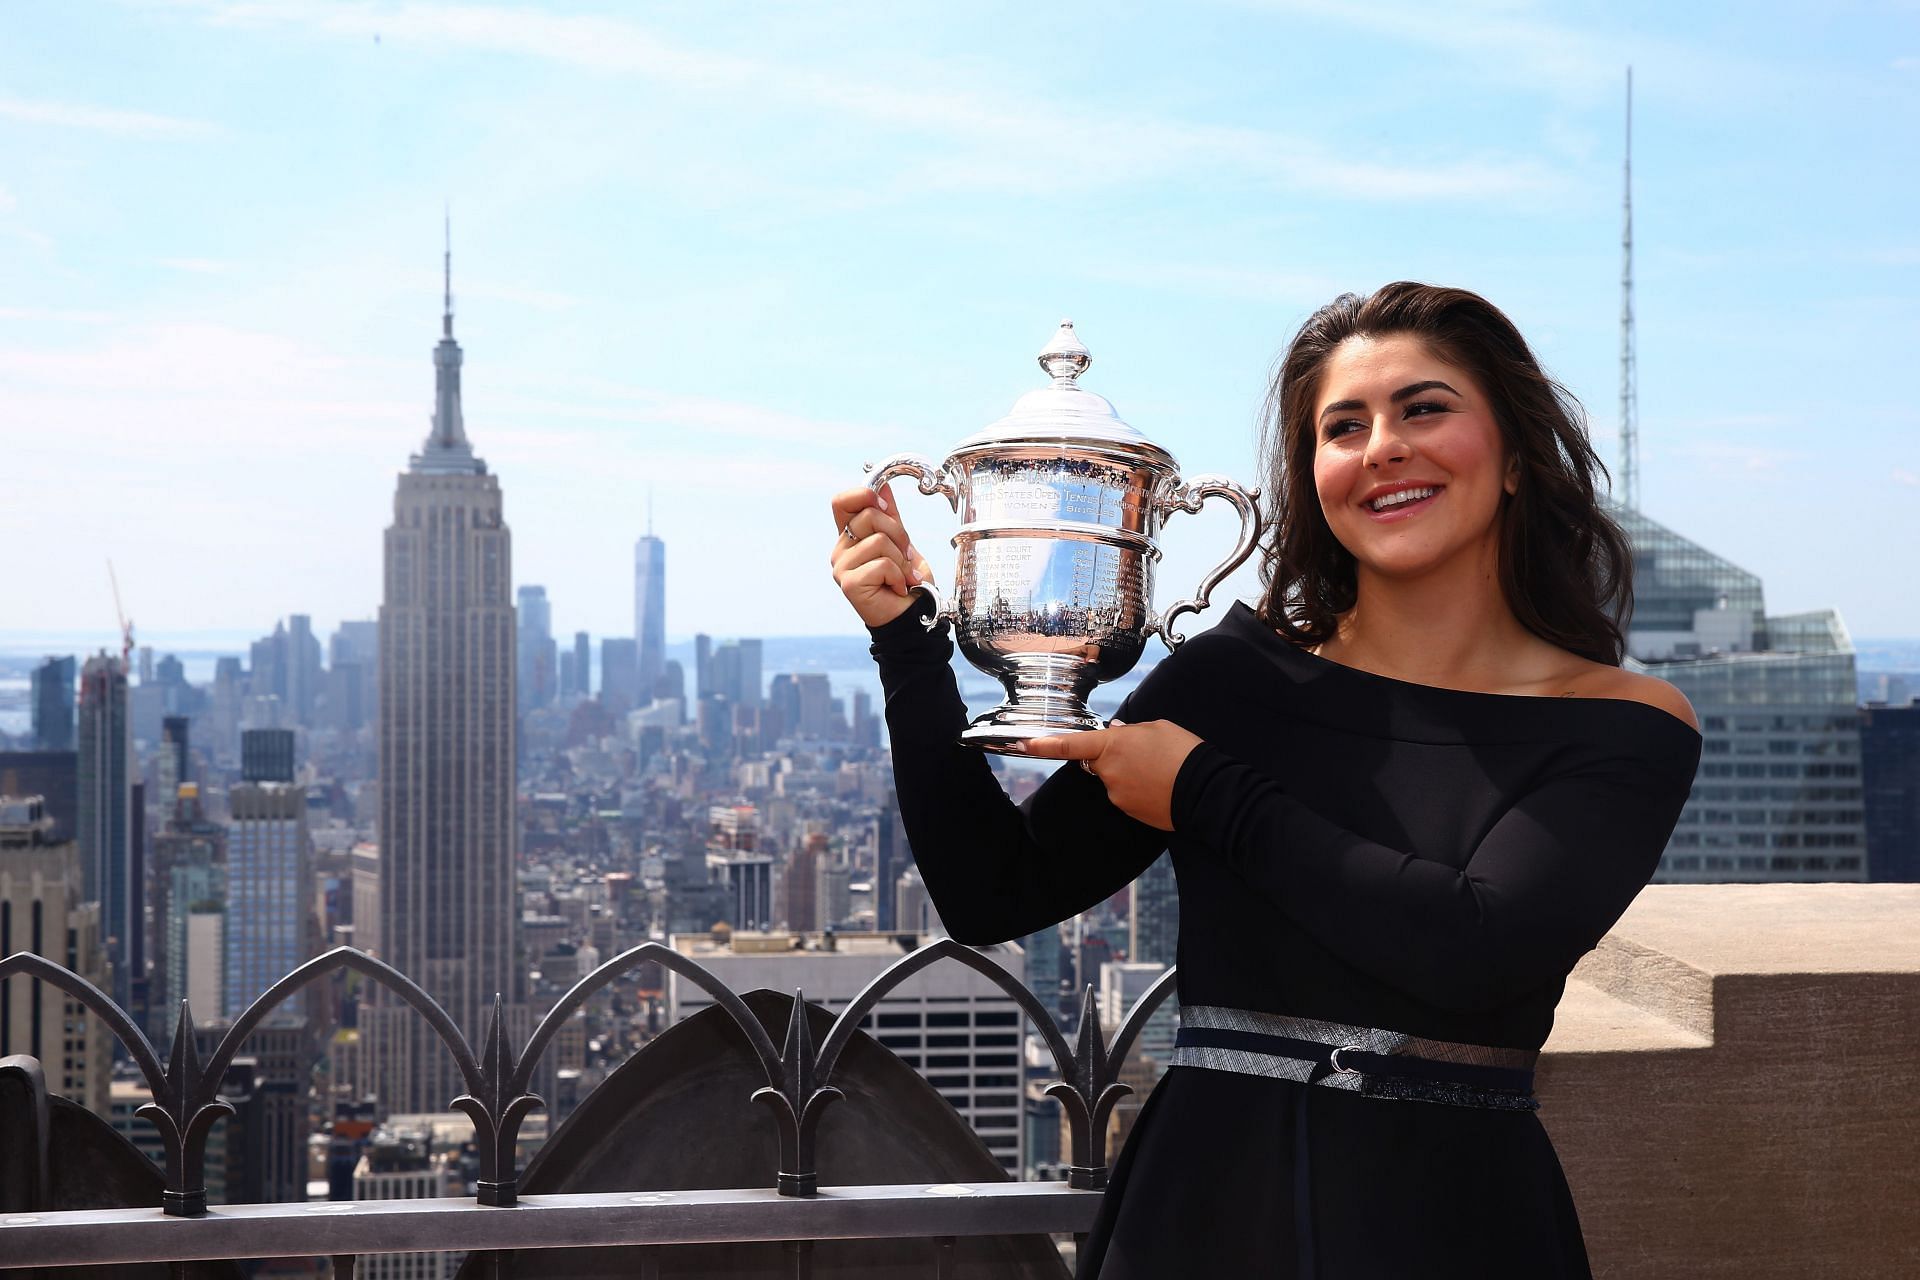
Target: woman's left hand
column 1137, row 764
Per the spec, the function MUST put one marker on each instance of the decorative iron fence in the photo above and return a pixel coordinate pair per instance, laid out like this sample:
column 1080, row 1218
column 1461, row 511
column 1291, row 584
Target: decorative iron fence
column 799, row 1087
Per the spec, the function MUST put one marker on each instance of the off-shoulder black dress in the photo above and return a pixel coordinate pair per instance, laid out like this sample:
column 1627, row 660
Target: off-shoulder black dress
column 1350, row 848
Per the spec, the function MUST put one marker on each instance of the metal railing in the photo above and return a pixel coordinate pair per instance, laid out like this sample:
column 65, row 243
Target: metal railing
column 799, row 1087
column 342, row 1229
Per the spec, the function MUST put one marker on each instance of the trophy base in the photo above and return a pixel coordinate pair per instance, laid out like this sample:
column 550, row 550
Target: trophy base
column 1046, row 695
column 1006, row 730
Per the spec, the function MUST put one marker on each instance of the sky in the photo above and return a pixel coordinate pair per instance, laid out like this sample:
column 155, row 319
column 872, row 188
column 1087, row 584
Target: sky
column 709, row 258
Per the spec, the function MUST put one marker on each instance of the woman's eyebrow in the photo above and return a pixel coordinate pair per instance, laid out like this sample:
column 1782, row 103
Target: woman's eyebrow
column 1411, row 389
column 1415, row 388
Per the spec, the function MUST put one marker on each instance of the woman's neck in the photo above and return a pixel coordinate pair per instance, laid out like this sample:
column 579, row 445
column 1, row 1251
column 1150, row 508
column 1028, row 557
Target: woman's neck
column 1453, row 629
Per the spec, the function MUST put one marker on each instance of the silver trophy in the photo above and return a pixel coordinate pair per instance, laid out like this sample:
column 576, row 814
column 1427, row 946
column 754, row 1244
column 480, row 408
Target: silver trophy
column 1061, row 504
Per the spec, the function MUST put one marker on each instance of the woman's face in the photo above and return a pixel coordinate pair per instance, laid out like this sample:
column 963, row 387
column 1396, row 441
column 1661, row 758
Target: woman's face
column 1407, row 457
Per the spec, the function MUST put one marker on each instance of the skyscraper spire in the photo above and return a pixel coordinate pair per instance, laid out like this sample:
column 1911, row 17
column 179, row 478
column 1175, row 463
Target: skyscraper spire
column 446, row 317
column 447, row 451
column 1629, row 489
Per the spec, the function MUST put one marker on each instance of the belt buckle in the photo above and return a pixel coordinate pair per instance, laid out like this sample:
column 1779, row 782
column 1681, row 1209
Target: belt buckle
column 1333, row 1060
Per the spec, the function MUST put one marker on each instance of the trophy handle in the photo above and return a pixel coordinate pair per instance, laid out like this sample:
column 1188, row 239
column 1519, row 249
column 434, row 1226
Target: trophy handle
column 1188, row 497
column 931, row 480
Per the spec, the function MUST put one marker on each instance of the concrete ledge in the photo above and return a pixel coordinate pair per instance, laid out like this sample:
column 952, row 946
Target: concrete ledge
column 1733, row 1083
column 1589, row 1020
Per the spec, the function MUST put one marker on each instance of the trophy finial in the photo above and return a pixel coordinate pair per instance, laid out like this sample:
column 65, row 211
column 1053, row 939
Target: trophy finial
column 1066, row 357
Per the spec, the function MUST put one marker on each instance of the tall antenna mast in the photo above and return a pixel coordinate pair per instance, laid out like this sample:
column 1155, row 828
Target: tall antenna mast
column 446, row 316
column 1629, row 384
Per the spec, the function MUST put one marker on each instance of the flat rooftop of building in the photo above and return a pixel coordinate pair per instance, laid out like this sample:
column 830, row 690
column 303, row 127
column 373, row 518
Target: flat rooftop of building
column 743, row 942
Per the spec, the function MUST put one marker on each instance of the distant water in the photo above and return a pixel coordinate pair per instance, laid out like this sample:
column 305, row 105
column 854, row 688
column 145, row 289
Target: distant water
column 842, row 659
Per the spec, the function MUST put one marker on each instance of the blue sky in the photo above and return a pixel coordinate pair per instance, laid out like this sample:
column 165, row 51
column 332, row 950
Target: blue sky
column 723, row 253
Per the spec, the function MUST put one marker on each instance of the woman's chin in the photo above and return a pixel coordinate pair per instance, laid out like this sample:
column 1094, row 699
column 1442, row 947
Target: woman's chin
column 1397, row 561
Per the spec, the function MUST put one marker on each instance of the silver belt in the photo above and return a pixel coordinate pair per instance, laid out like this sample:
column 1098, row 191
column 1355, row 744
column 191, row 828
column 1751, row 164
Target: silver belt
column 1365, row 1060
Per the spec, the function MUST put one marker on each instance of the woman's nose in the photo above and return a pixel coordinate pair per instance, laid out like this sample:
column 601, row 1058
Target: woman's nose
column 1385, row 443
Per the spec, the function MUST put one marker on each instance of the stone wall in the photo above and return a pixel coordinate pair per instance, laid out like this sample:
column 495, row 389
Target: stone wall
column 1733, row 1084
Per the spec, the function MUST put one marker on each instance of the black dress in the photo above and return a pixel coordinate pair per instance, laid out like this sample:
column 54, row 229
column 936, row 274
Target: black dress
column 1350, row 848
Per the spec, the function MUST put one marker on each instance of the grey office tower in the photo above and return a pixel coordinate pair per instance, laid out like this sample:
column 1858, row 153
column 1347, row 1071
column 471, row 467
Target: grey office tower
column 105, row 804
column 449, row 915
column 53, row 705
column 650, row 611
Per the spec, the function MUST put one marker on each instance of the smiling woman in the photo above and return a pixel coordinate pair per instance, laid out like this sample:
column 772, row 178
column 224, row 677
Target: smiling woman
column 1401, row 801
column 1564, row 567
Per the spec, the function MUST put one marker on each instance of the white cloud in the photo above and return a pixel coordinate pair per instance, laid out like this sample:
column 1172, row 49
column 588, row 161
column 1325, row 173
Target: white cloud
column 1741, row 422
column 173, row 358
column 1528, row 47
column 1906, row 64
column 197, row 266
column 1903, row 476
column 38, row 239
column 538, row 299
column 44, row 315
column 70, row 115
column 1721, row 455
column 635, row 417
column 7, row 202
column 1207, row 280
column 991, row 132
column 1508, row 43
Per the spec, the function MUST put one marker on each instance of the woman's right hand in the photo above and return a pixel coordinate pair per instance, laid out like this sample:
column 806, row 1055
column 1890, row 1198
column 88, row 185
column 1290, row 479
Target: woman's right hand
column 874, row 561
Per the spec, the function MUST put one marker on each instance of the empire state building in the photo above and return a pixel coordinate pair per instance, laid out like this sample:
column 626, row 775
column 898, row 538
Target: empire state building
column 449, row 912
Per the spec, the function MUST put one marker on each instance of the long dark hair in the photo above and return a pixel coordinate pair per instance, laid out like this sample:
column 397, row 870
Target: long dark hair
column 1565, row 567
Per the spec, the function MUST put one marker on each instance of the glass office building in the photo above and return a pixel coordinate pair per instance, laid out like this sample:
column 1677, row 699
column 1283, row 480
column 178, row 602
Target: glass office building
column 1778, row 794
column 1890, row 741
column 269, row 895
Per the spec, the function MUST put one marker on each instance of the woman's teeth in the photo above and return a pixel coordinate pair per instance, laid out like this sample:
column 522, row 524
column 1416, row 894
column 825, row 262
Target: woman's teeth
column 1388, row 501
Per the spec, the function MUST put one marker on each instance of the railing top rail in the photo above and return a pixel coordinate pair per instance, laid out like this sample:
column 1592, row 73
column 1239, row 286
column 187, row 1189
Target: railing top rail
column 100, row 1236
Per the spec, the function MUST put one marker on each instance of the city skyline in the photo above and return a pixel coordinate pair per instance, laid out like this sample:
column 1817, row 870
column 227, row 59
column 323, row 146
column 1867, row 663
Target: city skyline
column 732, row 298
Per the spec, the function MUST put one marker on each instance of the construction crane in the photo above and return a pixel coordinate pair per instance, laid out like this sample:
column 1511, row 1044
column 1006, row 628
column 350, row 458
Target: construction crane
column 126, row 623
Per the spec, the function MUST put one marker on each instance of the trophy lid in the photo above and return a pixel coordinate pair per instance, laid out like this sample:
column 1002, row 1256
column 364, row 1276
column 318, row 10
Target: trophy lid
column 1064, row 411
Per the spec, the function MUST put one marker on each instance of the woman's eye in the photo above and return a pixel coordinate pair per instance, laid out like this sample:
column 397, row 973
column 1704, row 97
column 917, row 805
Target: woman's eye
column 1336, row 429
column 1422, row 407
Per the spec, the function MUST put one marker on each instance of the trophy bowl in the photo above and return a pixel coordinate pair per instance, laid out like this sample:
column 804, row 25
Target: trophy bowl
column 1061, row 505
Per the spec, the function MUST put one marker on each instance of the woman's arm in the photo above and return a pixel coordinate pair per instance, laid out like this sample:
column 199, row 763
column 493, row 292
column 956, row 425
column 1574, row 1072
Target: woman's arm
column 1546, row 883
column 994, row 870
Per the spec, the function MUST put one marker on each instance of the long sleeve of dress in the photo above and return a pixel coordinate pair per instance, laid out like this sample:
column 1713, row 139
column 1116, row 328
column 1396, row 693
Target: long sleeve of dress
column 994, row 870
column 1542, row 887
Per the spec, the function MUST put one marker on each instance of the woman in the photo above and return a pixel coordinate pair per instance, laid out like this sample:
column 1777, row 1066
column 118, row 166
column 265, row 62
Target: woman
column 1403, row 797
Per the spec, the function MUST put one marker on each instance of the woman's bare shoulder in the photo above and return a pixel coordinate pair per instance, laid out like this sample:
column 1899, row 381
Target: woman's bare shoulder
column 1597, row 680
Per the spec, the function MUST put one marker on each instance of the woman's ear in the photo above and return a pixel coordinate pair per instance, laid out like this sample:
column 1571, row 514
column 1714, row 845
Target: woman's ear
column 1512, row 481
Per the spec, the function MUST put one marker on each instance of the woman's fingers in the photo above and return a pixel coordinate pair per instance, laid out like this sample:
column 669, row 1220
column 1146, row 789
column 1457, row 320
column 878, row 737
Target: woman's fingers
column 872, row 521
column 850, row 502
column 1070, row 746
column 876, row 546
column 874, row 575
column 874, row 562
